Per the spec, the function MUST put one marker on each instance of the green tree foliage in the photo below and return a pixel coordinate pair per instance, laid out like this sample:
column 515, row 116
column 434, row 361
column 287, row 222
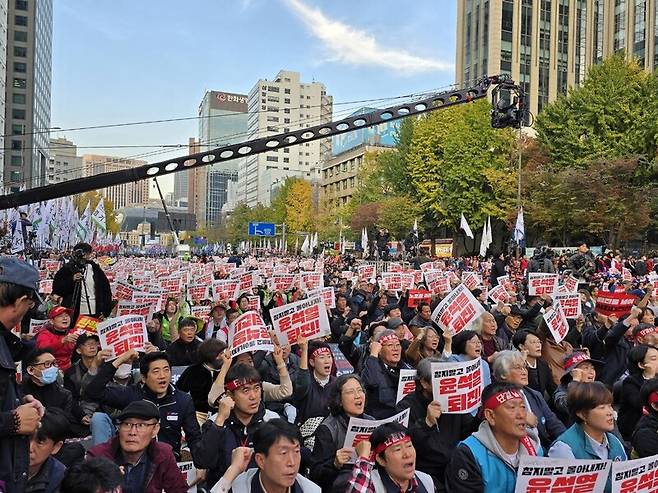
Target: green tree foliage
column 93, row 198
column 613, row 114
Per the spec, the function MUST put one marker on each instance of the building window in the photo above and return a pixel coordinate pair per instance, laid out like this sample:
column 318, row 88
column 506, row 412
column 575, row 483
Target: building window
column 18, row 114
column 286, row 160
column 20, row 67
column 286, row 150
column 16, row 145
column 273, row 159
column 286, row 91
column 16, row 161
column 507, row 25
column 286, row 110
column 352, row 182
column 17, row 129
column 20, row 20
column 21, row 4
column 15, row 176
column 20, row 51
column 20, row 83
column 286, row 100
column 640, row 30
column 620, row 25
column 18, row 98
column 20, row 36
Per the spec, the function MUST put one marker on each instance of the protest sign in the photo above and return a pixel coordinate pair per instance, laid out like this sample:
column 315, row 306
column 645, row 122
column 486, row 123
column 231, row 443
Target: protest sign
column 635, row 476
column 254, row 303
column 122, row 334
column 189, row 471
column 426, row 266
column 171, row 285
column 328, row 296
column 457, row 385
column 360, row 429
column 407, row 280
column 417, row 296
column 498, row 294
column 46, row 286
column 457, row 310
column 150, row 298
column 312, row 280
column 406, row 384
column 571, row 284
column 50, row 265
column 124, row 291
column 418, row 276
column 391, row 281
column 225, row 289
column 626, row 274
column 36, row 325
column 129, row 308
column 343, row 366
column 545, row 475
column 85, row 323
column 570, row 303
column 616, row 304
column 249, row 333
column 557, row 322
column 347, row 275
column 471, row 280
column 247, row 282
column 43, row 274
column 366, row 271
column 198, row 292
column 540, row 283
column 202, row 312
column 282, row 282
column 307, row 318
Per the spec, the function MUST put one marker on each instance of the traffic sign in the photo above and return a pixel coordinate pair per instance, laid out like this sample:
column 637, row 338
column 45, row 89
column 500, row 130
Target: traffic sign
column 262, row 229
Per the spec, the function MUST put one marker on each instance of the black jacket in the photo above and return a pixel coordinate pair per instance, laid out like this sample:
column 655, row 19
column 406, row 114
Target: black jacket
column 645, row 437
column 310, row 398
column 381, row 385
column 64, row 286
column 54, row 395
column 630, row 405
column 614, row 348
column 183, row 354
column 176, row 408
column 541, row 379
column 197, row 381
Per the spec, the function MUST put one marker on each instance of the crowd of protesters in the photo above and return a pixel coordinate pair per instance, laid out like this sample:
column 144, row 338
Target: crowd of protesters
column 74, row 420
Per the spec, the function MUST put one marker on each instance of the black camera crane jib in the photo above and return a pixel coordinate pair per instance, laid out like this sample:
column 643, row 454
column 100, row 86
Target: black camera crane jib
column 506, row 115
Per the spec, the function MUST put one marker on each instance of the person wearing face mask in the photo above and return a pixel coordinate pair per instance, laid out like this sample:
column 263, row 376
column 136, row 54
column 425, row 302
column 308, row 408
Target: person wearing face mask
column 642, row 366
column 590, row 437
column 578, row 367
column 381, row 374
column 197, row 379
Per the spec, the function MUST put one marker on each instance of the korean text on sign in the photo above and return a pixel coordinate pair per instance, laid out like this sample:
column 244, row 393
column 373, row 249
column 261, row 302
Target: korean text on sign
column 122, row 334
column 546, row 475
column 249, row 333
column 457, row 310
column 557, row 322
column 359, row 429
column 406, row 384
column 457, row 386
column 540, row 283
column 635, row 476
column 570, row 303
column 307, row 318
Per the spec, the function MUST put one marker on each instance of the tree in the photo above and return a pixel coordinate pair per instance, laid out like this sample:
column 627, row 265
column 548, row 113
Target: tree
column 92, row 198
column 299, row 207
column 397, row 214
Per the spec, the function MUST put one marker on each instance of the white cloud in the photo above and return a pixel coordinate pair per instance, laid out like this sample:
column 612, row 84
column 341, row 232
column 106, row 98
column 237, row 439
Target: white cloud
column 347, row 44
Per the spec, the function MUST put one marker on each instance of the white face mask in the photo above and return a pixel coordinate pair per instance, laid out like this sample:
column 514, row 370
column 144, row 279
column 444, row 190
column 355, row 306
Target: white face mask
column 124, row 371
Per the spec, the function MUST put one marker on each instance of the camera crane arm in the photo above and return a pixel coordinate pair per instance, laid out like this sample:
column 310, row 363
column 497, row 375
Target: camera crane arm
column 501, row 117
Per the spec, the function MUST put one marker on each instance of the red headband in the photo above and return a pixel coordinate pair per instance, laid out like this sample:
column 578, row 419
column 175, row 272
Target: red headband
column 653, row 397
column 394, row 439
column 320, row 351
column 239, row 382
column 645, row 332
column 575, row 360
column 501, row 397
column 388, row 338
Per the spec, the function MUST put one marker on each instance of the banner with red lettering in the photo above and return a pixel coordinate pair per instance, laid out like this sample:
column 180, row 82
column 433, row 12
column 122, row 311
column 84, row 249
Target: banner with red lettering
column 46, row 286
column 570, row 284
column 498, row 294
column 254, row 302
column 225, row 289
column 557, row 322
column 616, row 304
column 202, row 312
column 391, row 281
column 249, row 333
column 307, row 318
column 122, row 334
column 124, row 291
column 457, row 385
column 50, row 265
column 327, row 294
column 151, row 298
column 437, row 281
column 406, row 384
column 366, row 271
column 130, row 308
column 198, row 292
column 37, row 325
column 542, row 283
column 417, row 296
column 407, row 280
column 85, row 323
column 282, row 282
column 543, row 474
column 312, row 280
column 247, row 282
column 635, row 476
column 458, row 310
column 471, row 280
column 360, row 429
column 570, row 303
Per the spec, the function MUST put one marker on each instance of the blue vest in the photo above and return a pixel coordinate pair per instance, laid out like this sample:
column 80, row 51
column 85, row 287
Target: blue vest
column 497, row 475
column 582, row 448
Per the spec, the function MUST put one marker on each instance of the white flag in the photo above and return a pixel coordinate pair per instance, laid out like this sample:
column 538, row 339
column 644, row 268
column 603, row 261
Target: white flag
column 519, row 229
column 415, row 230
column 364, row 241
column 484, row 242
column 467, row 229
column 98, row 216
column 17, row 241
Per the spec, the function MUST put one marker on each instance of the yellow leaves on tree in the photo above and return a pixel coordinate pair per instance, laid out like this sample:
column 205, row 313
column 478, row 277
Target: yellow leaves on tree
column 299, row 207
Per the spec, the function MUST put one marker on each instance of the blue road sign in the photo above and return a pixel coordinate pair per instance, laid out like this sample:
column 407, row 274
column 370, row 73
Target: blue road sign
column 262, row 229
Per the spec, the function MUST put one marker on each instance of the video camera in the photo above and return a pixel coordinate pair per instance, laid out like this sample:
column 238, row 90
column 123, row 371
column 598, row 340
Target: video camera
column 78, row 261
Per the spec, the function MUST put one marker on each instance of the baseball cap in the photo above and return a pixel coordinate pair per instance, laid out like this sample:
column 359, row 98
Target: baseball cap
column 58, row 310
column 140, row 409
column 388, row 309
column 17, row 272
column 572, row 360
column 394, row 323
column 84, row 338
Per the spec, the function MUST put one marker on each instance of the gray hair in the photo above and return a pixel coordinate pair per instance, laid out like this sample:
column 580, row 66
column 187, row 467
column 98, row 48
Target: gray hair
column 503, row 362
column 424, row 368
column 479, row 323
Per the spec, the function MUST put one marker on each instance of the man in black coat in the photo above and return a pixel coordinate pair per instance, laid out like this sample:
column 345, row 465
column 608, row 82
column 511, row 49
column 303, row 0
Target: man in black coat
column 82, row 285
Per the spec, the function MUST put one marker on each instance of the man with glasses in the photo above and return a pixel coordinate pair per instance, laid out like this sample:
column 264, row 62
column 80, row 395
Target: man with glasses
column 381, row 374
column 147, row 465
column 19, row 415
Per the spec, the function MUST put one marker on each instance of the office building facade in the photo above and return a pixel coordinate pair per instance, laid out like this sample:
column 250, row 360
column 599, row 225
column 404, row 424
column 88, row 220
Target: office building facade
column 133, row 194
column 28, row 85
column 278, row 106
column 64, row 163
column 4, row 6
column 548, row 45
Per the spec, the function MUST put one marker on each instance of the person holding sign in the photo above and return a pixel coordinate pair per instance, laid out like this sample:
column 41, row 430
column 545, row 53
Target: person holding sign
column 422, row 319
column 590, row 437
column 394, row 464
column 489, row 458
column 425, row 345
column 578, row 367
column 57, row 336
column 467, row 346
column 313, row 388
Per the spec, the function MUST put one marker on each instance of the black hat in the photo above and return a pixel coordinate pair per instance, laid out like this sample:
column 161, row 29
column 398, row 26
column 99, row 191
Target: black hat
column 84, row 338
column 390, row 307
column 516, row 311
column 140, row 409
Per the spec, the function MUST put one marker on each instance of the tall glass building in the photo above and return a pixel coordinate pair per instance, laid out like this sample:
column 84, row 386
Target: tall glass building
column 547, row 46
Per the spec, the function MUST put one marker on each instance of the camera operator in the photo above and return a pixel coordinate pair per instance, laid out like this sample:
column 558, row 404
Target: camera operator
column 82, row 285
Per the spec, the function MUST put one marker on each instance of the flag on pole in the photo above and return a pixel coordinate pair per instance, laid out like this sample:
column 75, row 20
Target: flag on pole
column 519, row 229
column 415, row 230
column 17, row 240
column 467, row 229
column 485, row 241
column 306, row 246
column 98, row 216
column 364, row 241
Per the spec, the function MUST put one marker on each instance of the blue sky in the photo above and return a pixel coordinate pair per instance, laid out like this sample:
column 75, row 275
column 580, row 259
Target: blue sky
column 126, row 60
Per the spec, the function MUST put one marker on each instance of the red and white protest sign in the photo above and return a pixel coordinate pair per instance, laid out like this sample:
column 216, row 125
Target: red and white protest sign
column 51, row 265
column 616, row 304
column 557, row 322
column 546, row 475
column 85, row 323
column 122, row 334
column 124, row 291
column 37, row 325
column 540, row 283
column 204, row 279
column 282, row 282
column 348, row 275
column 457, row 310
column 498, row 294
column 505, row 281
column 407, row 280
column 391, row 281
column 394, row 267
column 571, row 284
column 249, row 333
column 359, row 429
column 426, row 266
column 635, row 476
column 43, row 274
column 406, row 384
column 46, row 286
column 226, row 289
column 327, row 294
column 417, row 296
column 437, row 281
column 570, row 303
column 457, row 385
column 254, row 303
column 150, row 298
column 130, row 308
column 198, row 292
column 366, row 271
column 471, row 280
column 171, row 285
column 307, row 318
column 312, row 280
column 626, row 274
column 202, row 312
column 247, row 282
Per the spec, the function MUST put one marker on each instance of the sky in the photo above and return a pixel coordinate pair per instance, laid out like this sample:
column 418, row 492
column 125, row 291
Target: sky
column 117, row 61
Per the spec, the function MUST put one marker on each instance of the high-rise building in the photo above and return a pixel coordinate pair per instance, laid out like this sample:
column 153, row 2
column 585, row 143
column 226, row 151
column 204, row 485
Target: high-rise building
column 64, row 164
column 133, row 194
column 548, row 45
column 222, row 121
column 278, row 106
column 27, row 110
column 4, row 5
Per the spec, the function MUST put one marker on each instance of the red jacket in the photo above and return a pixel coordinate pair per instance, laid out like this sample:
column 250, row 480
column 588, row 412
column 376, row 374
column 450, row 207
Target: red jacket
column 163, row 473
column 46, row 338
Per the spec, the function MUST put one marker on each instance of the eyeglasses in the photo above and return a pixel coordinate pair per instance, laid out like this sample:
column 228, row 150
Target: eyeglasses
column 392, row 346
column 47, row 364
column 354, row 392
column 124, row 426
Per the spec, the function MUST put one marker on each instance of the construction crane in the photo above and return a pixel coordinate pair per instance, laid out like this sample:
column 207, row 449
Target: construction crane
column 507, row 111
